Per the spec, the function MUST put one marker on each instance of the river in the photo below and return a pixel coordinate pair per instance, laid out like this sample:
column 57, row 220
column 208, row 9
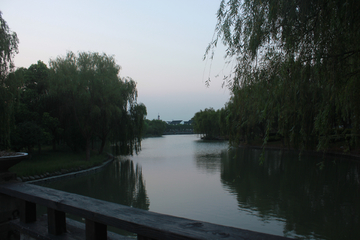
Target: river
column 302, row 196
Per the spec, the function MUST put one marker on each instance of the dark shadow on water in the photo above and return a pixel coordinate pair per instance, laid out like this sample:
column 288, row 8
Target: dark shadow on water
column 314, row 202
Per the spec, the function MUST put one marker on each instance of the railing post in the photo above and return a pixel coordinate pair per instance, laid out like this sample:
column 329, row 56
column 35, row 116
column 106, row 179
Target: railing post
column 56, row 221
column 27, row 211
column 95, row 230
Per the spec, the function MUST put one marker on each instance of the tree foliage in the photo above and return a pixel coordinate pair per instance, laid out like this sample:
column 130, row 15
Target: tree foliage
column 8, row 48
column 207, row 123
column 154, row 127
column 296, row 70
column 31, row 117
column 8, row 90
column 80, row 101
column 97, row 100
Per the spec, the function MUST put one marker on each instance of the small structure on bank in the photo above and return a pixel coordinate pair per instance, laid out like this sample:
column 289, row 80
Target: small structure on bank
column 175, row 122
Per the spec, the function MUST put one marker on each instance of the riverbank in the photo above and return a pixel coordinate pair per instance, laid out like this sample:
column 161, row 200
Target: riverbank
column 50, row 164
column 335, row 150
column 66, row 173
column 57, row 164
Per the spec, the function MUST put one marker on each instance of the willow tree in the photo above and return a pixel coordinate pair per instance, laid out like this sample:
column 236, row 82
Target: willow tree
column 296, row 68
column 128, row 129
column 207, row 123
column 93, row 95
column 8, row 88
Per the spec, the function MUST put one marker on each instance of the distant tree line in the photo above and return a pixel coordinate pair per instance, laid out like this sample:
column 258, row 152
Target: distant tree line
column 154, row 128
column 296, row 74
column 79, row 100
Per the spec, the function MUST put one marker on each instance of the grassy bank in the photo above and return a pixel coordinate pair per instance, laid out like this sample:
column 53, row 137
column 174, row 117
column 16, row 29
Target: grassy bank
column 49, row 161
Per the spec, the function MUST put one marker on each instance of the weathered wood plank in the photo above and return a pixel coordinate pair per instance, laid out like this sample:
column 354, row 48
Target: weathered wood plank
column 56, row 221
column 144, row 223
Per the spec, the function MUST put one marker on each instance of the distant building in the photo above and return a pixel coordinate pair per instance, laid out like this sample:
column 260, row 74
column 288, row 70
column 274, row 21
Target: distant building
column 188, row 122
column 175, row 122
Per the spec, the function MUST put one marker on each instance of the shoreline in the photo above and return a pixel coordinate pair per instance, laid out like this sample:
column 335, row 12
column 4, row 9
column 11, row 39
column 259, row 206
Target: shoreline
column 64, row 173
column 351, row 156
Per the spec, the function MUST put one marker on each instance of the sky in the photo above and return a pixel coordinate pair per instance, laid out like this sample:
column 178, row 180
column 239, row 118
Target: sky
column 160, row 44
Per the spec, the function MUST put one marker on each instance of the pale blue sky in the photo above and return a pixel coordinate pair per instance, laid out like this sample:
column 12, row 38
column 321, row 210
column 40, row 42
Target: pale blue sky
column 160, row 44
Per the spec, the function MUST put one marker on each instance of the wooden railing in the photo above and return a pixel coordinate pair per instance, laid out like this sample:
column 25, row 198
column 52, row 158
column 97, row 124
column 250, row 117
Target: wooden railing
column 99, row 214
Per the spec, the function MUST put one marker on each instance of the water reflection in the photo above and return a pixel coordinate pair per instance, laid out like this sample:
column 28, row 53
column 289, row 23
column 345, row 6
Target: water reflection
column 204, row 181
column 312, row 201
column 208, row 155
column 121, row 182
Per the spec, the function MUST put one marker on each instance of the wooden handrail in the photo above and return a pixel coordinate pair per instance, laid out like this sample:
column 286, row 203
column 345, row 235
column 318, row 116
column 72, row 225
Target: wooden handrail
column 99, row 214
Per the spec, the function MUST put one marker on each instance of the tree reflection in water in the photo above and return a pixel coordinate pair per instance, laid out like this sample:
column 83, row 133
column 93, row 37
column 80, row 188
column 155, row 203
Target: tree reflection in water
column 123, row 184
column 312, row 201
column 131, row 185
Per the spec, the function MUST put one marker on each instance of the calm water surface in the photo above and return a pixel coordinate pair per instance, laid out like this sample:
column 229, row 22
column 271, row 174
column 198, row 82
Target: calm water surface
column 183, row 176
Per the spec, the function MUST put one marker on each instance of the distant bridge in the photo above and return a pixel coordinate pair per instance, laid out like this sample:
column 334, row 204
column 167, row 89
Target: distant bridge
column 174, row 132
